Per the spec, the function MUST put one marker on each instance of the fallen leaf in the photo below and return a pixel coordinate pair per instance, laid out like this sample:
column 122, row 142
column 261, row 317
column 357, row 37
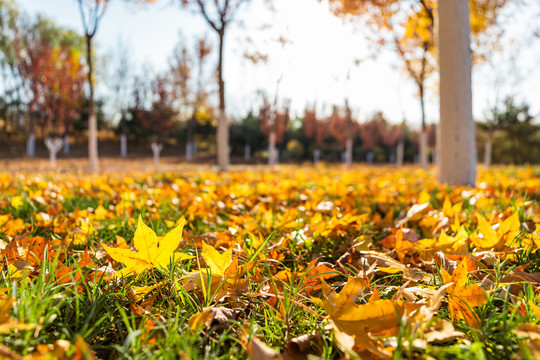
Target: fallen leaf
column 212, row 315
column 7, row 324
column 257, row 350
column 151, row 252
column 462, row 297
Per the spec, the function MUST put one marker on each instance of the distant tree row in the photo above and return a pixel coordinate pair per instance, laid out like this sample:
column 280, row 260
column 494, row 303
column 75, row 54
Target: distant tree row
column 314, row 138
column 45, row 69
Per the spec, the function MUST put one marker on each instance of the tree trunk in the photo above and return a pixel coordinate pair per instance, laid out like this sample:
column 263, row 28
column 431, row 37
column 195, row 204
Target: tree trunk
column 487, row 148
column 456, row 133
column 31, row 141
column 123, row 145
column 66, row 143
column 247, row 153
column 156, row 150
column 223, row 126
column 316, row 156
column 31, row 144
column 190, row 144
column 189, row 151
column 423, row 144
column 400, row 152
column 370, row 157
column 349, row 152
column 272, row 149
column 92, row 119
column 53, row 145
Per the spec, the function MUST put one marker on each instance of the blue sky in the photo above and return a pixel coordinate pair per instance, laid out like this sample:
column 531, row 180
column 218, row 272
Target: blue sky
column 314, row 66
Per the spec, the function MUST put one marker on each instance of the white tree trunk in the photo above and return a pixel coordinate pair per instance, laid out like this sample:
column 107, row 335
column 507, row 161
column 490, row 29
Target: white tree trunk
column 316, row 156
column 247, row 153
column 370, row 157
column 272, row 149
column 66, row 144
column 93, row 141
column 31, row 145
column 189, row 151
column 349, row 152
column 223, row 142
column 53, row 145
column 487, row 149
column 400, row 151
column 156, row 150
column 456, row 133
column 123, row 145
column 423, row 144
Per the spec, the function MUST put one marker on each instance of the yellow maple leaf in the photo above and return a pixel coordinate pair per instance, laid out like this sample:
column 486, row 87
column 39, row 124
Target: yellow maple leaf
column 140, row 291
column 100, row 213
column 535, row 308
column 16, row 202
column 462, row 297
column 216, row 262
column 221, row 275
column 508, row 230
column 377, row 316
column 151, row 251
column 449, row 209
column 457, row 243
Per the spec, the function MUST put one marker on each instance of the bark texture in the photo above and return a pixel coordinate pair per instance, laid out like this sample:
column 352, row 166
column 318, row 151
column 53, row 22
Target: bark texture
column 456, row 133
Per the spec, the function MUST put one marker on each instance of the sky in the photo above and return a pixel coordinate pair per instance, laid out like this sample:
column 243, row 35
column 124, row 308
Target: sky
column 316, row 66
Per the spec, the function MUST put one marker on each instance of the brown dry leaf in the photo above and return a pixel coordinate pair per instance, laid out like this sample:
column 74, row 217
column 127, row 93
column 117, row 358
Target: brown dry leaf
column 8, row 354
column 212, row 315
column 449, row 262
column 257, row 350
column 414, row 213
column 529, row 330
column 416, row 275
column 366, row 259
column 519, row 277
column 441, row 331
column 145, row 307
column 300, row 347
column 532, row 334
column 412, row 293
column 364, row 347
column 408, row 246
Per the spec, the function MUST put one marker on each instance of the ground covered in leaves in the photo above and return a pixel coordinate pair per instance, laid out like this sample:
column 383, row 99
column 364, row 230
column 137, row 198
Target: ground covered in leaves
column 294, row 263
